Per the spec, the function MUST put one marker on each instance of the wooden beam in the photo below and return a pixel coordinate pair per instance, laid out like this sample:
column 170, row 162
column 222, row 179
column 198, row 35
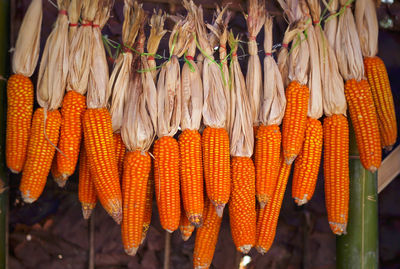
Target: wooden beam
column 389, row 170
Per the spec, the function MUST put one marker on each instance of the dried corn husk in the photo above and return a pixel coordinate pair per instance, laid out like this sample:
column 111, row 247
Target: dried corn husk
column 255, row 20
column 119, row 80
column 367, row 26
column 80, row 53
column 334, row 100
column 169, row 87
column 215, row 106
column 26, row 53
column 273, row 101
column 156, row 34
column 348, row 50
column 192, row 92
column 97, row 95
column 330, row 27
column 315, row 107
column 241, row 140
column 53, row 69
column 299, row 57
column 74, row 13
column 140, row 112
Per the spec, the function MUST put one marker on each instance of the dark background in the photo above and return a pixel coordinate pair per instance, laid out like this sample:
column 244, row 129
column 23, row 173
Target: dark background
column 51, row 232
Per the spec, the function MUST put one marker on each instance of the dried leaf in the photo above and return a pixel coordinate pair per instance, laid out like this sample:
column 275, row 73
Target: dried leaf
column 367, row 27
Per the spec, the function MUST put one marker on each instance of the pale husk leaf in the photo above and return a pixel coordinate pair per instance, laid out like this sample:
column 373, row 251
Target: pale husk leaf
column 80, row 53
column 215, row 105
column 74, row 12
column 97, row 95
column 192, row 93
column 157, row 32
column 225, row 70
column 299, row 58
column 347, row 47
column 241, row 140
column 273, row 101
column 367, row 27
column 331, row 22
column 26, row 53
column 255, row 20
column 119, row 80
column 53, row 71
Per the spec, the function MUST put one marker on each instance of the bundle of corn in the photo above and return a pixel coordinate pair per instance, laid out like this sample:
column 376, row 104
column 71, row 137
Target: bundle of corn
column 255, row 20
column 206, row 237
column 335, row 128
column 47, row 119
column 97, row 126
column 191, row 166
column 74, row 103
column 86, row 190
column 357, row 90
column 185, row 226
column 307, row 164
column 268, row 135
column 215, row 139
column 242, row 210
column 137, row 131
column 118, row 86
column 375, row 71
column 297, row 92
column 166, row 148
column 20, row 87
column 268, row 216
column 156, row 33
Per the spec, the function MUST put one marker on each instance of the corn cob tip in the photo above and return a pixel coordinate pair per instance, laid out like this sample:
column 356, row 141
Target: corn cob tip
column 131, row 251
column 169, row 231
column 301, row 202
column 261, row 250
column 201, row 267
column 61, row 181
column 290, row 159
column 27, row 199
column 387, row 149
column 196, row 220
column 86, row 213
column 219, row 208
column 262, row 204
column 245, row 248
column 372, row 169
column 263, row 199
column 185, row 237
column 117, row 216
column 338, row 228
column 14, row 171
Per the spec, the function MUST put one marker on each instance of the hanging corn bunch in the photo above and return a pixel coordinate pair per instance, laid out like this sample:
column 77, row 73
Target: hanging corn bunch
column 166, row 148
column 268, row 135
column 375, row 71
column 357, row 91
column 47, row 119
column 307, row 164
column 206, row 237
column 242, row 211
column 20, row 88
column 97, row 126
column 255, row 20
column 335, row 129
column 297, row 92
column 215, row 139
column 191, row 165
column 74, row 103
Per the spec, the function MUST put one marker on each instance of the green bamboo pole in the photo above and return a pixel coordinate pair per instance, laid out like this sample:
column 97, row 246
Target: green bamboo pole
column 358, row 249
column 4, row 60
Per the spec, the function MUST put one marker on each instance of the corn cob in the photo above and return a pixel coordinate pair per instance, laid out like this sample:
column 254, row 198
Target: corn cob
column 191, row 169
column 149, row 204
column 166, row 178
column 268, row 216
column 242, row 208
column 364, row 120
column 206, row 237
column 294, row 121
column 120, row 150
column 336, row 171
column 86, row 191
column 185, row 226
column 41, row 149
column 378, row 79
column 19, row 114
column 137, row 166
column 268, row 149
column 101, row 156
column 54, row 169
column 215, row 146
column 73, row 107
column 307, row 163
